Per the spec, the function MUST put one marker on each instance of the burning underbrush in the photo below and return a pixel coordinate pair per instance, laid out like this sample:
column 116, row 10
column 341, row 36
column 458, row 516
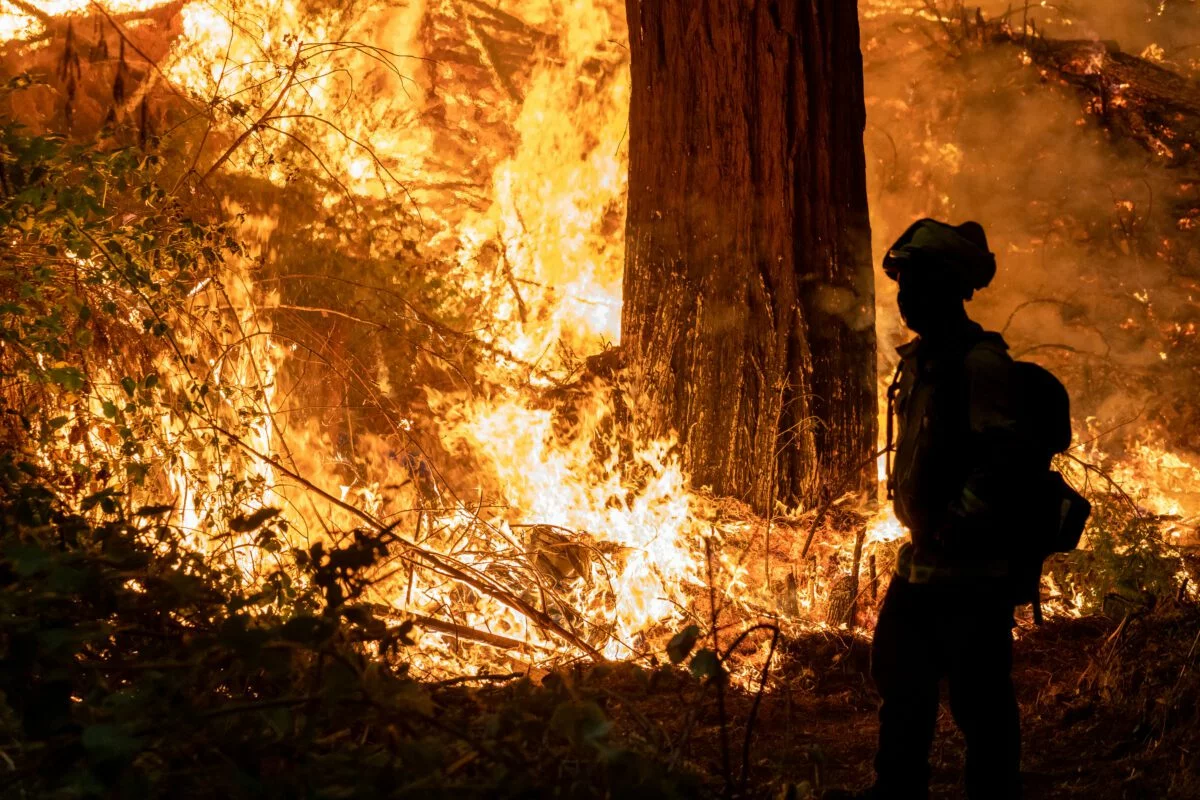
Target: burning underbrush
column 355, row 271
column 314, row 419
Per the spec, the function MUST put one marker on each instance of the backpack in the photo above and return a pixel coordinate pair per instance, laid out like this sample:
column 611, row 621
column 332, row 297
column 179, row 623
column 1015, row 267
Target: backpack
column 1058, row 513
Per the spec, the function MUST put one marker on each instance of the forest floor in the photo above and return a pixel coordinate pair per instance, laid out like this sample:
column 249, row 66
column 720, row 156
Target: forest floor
column 1083, row 685
column 1109, row 711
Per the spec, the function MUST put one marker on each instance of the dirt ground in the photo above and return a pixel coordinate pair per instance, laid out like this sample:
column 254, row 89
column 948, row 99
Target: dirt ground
column 1109, row 712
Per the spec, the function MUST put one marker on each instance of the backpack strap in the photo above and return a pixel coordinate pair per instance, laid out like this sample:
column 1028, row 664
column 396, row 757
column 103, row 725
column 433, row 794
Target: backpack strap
column 893, row 390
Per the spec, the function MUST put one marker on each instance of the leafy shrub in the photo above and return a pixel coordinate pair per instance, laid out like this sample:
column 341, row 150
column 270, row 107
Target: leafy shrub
column 129, row 667
column 140, row 655
column 115, row 324
column 1127, row 565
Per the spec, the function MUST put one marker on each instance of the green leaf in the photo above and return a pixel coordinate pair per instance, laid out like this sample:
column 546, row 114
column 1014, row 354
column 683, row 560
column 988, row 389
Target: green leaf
column 360, row 614
column 705, row 664
column 401, row 632
column 306, row 630
column 137, row 471
column 279, row 719
column 60, row 642
column 103, row 498
column 70, row 378
column 682, row 643
column 410, row 695
column 583, row 722
column 110, row 742
column 28, row 559
column 253, row 521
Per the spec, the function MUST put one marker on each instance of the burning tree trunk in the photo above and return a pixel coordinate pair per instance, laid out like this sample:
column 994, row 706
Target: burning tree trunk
column 748, row 323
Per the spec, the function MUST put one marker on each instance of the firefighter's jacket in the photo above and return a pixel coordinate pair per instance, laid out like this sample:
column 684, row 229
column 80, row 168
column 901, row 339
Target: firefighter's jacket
column 959, row 457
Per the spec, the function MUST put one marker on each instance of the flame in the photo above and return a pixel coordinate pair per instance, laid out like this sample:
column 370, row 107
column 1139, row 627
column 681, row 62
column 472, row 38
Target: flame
column 579, row 483
column 611, row 539
column 884, row 527
column 15, row 24
column 558, row 201
column 1159, row 481
column 553, row 225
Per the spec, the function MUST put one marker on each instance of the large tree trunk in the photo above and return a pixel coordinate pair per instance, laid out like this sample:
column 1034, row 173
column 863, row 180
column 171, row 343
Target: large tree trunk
column 748, row 324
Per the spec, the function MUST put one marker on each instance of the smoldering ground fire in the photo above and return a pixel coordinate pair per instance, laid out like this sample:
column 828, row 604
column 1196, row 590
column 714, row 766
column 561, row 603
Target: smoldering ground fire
column 422, row 334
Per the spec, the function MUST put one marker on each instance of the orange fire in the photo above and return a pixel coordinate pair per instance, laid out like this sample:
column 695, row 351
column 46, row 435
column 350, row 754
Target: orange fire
column 610, row 542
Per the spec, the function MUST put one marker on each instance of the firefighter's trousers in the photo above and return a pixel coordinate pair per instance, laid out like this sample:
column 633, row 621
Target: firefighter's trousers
column 963, row 633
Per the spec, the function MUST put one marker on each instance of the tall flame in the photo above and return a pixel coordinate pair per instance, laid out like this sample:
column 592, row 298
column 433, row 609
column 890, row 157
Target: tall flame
column 535, row 251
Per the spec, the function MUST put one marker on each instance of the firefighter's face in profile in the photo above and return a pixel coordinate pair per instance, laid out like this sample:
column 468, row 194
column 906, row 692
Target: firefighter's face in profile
column 927, row 299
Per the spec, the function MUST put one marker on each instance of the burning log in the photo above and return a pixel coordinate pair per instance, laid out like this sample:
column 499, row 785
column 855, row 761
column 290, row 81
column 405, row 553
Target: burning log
column 1134, row 97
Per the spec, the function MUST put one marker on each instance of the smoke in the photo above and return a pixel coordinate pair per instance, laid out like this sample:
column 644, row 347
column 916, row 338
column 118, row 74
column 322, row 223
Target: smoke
column 1097, row 268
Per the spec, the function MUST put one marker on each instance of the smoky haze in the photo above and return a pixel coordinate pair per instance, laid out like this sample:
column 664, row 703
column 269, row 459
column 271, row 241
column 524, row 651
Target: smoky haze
column 1093, row 233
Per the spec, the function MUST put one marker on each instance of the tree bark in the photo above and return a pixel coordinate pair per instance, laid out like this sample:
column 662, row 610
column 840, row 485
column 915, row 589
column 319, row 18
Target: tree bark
column 748, row 321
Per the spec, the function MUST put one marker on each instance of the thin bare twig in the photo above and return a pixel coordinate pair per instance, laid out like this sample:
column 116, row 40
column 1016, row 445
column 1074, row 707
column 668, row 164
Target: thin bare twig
column 1089, row 467
column 719, row 678
column 762, row 684
column 265, row 117
column 437, row 562
column 833, row 497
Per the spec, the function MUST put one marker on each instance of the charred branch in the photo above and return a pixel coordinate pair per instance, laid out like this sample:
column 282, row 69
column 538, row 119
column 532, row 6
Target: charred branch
column 1132, row 96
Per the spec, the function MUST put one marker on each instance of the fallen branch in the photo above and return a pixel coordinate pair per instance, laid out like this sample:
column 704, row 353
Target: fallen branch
column 485, row 677
column 1151, row 105
column 460, row 631
column 433, row 560
column 33, row 11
